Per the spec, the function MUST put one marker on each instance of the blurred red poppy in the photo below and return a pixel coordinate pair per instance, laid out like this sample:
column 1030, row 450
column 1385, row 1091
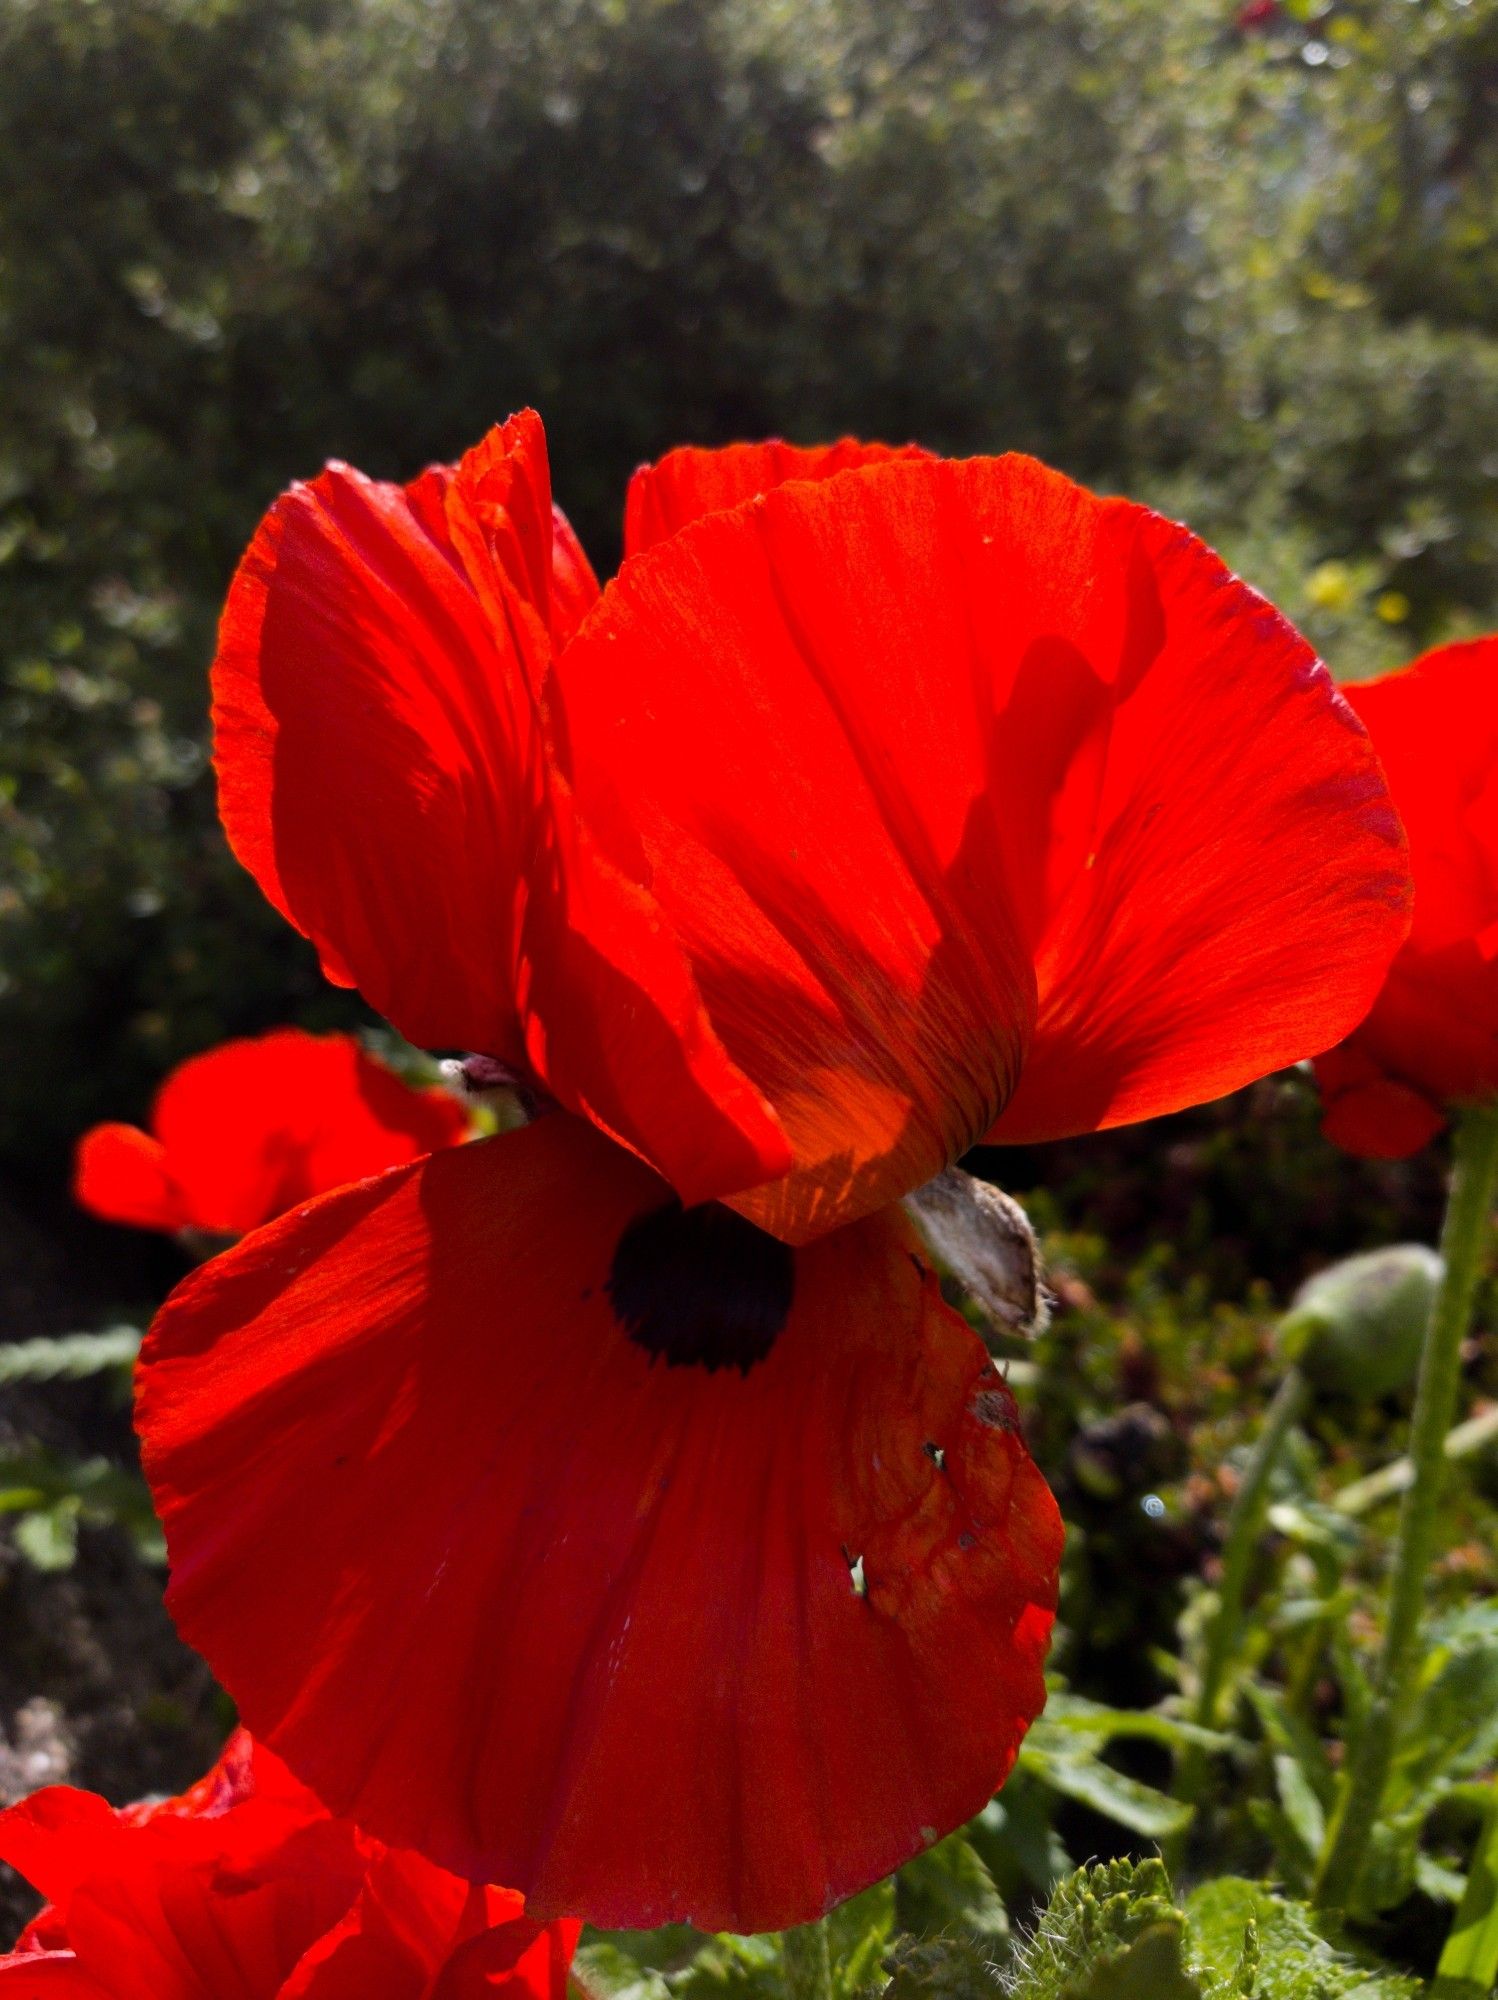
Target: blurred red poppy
column 246, row 1886
column 1431, row 1040
column 615, row 1508
column 252, row 1128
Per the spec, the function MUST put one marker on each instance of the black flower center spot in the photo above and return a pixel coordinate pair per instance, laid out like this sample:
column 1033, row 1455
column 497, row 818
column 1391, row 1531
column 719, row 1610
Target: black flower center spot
column 701, row 1287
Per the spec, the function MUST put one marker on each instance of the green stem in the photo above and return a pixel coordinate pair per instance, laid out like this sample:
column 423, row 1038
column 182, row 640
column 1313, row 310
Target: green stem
column 1245, row 1522
column 1464, row 1243
column 806, row 1959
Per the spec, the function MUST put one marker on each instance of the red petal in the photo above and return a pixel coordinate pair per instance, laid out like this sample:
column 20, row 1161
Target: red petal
column 55, row 1976
column 1223, row 894
column 929, row 701
column 154, row 1928
column 254, row 1127
column 418, row 1933
column 1435, row 726
column 696, row 480
column 401, row 1929
column 121, row 1174
column 560, row 1617
column 56, row 1837
column 574, row 587
column 1380, row 1119
column 821, row 821
column 526, row 1960
column 1434, row 1028
column 383, row 774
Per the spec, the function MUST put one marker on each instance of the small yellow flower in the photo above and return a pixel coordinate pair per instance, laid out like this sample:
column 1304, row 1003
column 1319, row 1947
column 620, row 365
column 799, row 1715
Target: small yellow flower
column 1330, row 587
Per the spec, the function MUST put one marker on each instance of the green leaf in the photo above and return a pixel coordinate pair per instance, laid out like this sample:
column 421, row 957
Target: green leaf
column 1077, row 1774
column 1093, row 1917
column 1149, row 1969
column 678, row 1962
column 1291, row 1735
column 35, row 1482
column 1469, row 1963
column 1436, row 1880
column 941, row 1969
column 858, row 1935
column 949, row 1888
column 1076, row 1715
column 1017, row 1842
column 1303, row 1810
column 48, row 1538
column 748, row 1966
column 1388, row 1872
column 1249, row 1941
column 1452, row 1732
column 603, row 1970
column 68, row 1356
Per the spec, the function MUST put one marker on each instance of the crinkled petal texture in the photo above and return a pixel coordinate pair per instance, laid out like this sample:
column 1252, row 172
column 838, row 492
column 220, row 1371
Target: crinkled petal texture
column 969, row 793
column 384, row 776
column 1431, row 1039
column 246, row 1889
column 253, row 1127
column 511, row 1589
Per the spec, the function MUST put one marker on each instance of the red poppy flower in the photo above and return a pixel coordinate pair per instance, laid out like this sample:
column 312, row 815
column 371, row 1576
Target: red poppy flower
column 615, row 1508
column 246, row 1886
column 252, row 1128
column 1431, row 1040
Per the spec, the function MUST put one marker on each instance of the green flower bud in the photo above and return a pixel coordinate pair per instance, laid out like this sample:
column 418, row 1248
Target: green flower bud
column 1356, row 1328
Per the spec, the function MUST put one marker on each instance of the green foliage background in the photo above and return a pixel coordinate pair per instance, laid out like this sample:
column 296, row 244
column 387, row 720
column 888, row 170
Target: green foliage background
column 1244, row 269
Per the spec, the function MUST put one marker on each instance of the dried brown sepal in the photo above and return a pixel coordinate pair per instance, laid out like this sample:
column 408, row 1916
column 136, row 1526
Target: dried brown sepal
column 982, row 1238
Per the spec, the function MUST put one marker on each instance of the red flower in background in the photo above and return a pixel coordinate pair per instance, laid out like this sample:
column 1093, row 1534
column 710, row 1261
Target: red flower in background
column 1431, row 1040
column 252, row 1128
column 686, row 1561
column 246, row 1886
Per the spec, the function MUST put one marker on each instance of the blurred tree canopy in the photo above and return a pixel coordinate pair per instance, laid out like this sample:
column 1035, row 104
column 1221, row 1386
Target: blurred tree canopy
column 1239, row 260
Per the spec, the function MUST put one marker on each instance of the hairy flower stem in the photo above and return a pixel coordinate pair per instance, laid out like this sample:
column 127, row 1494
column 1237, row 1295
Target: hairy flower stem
column 807, row 1961
column 1464, row 1242
column 1245, row 1521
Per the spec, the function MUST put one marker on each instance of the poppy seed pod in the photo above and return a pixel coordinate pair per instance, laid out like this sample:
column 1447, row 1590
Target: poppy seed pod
column 1356, row 1328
